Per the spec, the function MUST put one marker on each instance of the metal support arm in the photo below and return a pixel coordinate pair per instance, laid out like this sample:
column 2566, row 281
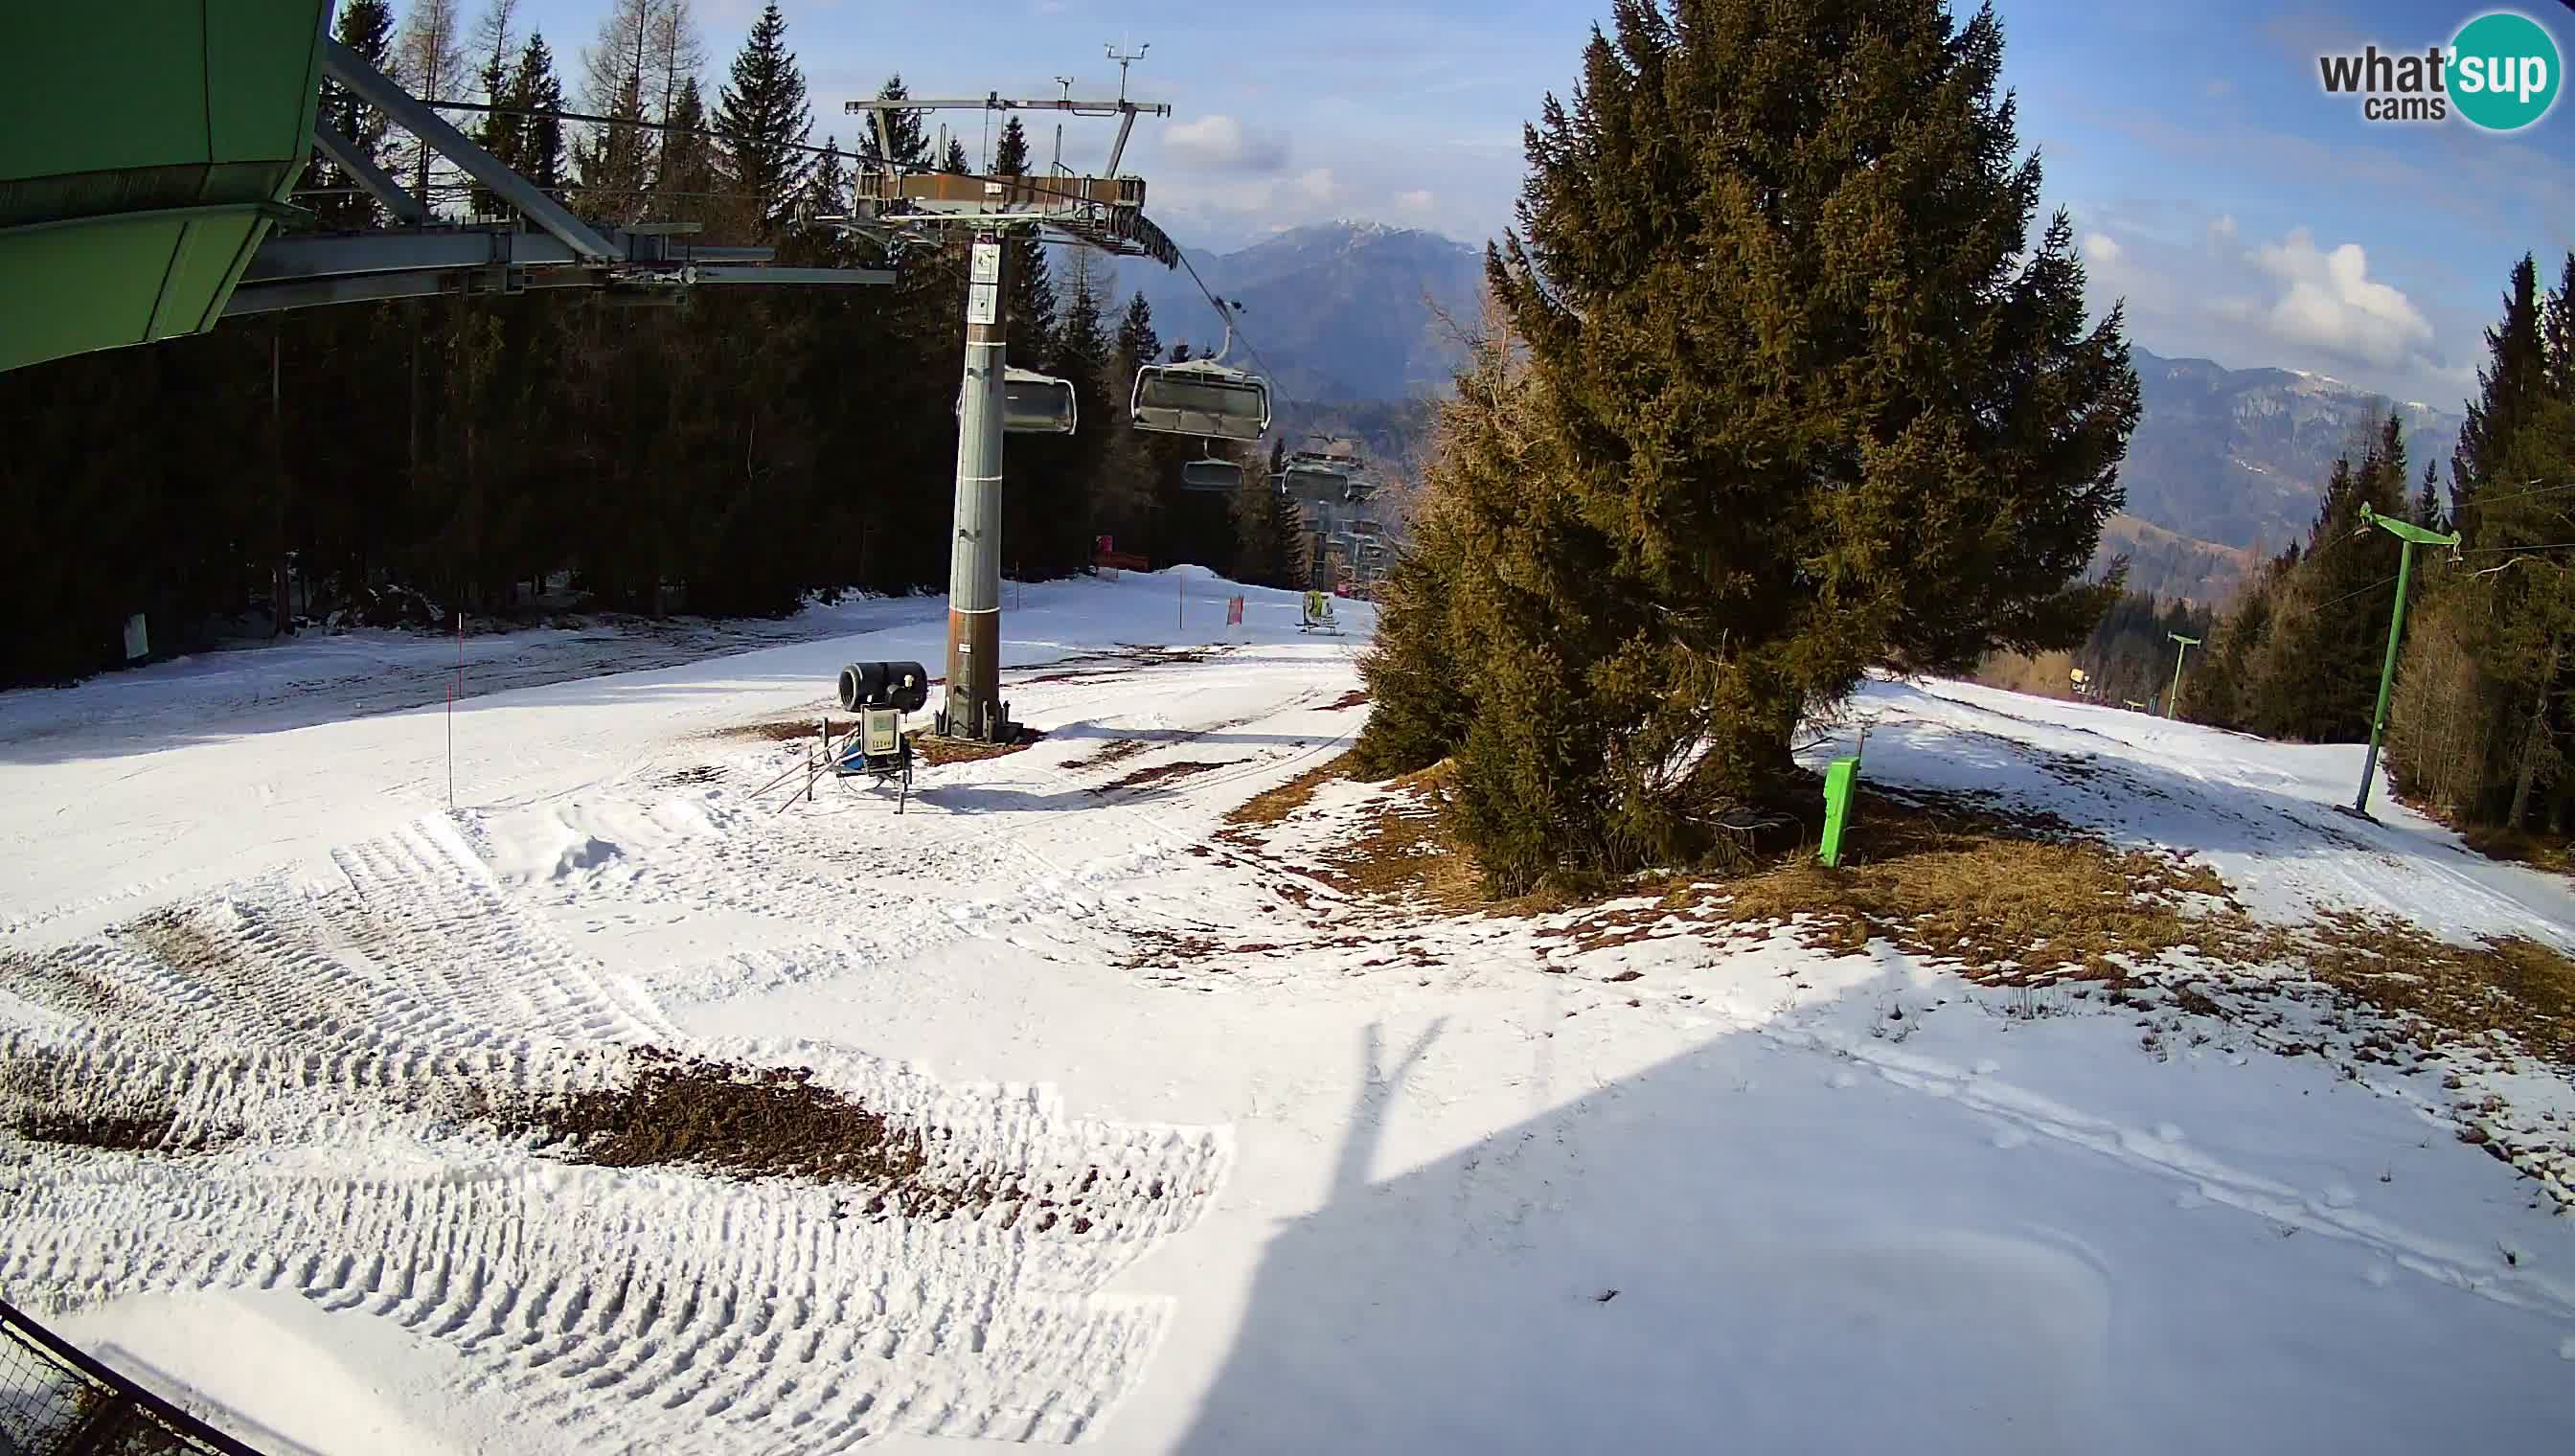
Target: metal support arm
column 377, row 90
column 378, row 183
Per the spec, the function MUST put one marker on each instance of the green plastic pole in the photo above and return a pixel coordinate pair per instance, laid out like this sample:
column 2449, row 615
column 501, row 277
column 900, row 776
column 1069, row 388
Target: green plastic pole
column 2413, row 535
column 1839, row 777
column 2172, row 705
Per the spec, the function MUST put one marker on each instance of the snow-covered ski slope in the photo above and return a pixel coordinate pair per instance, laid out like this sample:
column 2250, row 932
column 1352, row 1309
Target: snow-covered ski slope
column 1278, row 1170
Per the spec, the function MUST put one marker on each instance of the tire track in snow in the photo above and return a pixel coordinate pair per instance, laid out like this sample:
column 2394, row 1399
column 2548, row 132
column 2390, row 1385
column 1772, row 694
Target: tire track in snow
column 2520, row 1287
column 332, row 1029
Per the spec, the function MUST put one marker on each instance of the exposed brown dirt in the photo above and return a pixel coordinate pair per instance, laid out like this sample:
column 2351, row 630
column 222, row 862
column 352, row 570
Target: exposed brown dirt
column 148, row 1130
column 1158, row 773
column 1116, row 750
column 686, row 1110
column 1356, row 697
column 761, row 1123
column 782, row 731
column 937, row 752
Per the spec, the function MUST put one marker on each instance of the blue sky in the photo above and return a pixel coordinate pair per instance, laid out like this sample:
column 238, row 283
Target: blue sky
column 2242, row 213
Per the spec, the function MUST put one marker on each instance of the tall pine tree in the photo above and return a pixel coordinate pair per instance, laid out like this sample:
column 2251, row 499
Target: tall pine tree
column 538, row 93
column 2512, row 377
column 685, row 186
column 367, row 27
column 760, row 123
column 1809, row 399
column 1030, row 305
column 907, row 148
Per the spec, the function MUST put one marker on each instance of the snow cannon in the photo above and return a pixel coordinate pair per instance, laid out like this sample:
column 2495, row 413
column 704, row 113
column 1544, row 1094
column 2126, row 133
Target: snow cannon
column 901, row 686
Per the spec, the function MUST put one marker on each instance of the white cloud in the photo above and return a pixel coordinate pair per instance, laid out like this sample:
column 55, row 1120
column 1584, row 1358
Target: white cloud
column 2328, row 301
column 1218, row 143
column 2222, row 230
column 1317, row 185
column 2100, row 248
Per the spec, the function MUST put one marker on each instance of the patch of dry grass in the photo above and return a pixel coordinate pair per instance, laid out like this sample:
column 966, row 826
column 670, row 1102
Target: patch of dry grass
column 1273, row 805
column 2554, row 853
column 2005, row 896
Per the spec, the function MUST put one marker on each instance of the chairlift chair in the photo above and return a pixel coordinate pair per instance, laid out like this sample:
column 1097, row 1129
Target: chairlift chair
column 1203, row 397
column 1034, row 403
column 1314, row 480
column 1210, row 475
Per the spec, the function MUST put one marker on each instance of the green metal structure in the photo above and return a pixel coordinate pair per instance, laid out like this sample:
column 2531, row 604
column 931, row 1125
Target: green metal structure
column 2413, row 535
column 145, row 158
column 2173, row 703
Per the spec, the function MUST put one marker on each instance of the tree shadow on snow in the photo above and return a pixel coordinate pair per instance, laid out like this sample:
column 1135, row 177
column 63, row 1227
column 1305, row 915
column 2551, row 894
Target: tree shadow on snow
column 1764, row 1248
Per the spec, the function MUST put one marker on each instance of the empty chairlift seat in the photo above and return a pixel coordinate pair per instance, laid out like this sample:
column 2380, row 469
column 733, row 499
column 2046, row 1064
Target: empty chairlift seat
column 1314, row 480
column 1034, row 403
column 1201, row 399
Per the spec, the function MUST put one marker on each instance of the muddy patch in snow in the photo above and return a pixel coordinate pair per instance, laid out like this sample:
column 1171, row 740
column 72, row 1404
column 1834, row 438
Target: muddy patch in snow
column 150, row 1130
column 1158, row 773
column 1116, row 750
column 782, row 731
column 936, row 752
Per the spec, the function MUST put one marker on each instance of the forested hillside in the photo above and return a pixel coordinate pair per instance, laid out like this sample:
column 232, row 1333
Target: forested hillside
column 734, row 449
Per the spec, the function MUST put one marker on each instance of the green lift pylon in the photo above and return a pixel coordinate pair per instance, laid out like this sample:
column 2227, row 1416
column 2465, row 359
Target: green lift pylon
column 2172, row 702
column 2413, row 535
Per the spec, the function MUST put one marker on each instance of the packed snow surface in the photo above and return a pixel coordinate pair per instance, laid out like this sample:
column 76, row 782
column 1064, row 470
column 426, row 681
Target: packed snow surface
column 1261, row 1168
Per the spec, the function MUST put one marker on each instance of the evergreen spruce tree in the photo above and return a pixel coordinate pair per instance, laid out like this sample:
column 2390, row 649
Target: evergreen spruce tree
column 498, row 131
column 910, row 134
column 2512, row 376
column 616, row 161
column 1031, row 306
column 956, row 162
column 367, row 27
column 760, row 123
column 2427, row 501
column 686, row 183
column 1808, row 400
column 1138, row 345
column 538, row 92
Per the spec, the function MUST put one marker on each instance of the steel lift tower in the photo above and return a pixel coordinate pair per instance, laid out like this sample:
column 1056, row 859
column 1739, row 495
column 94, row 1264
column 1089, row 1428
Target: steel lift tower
column 897, row 206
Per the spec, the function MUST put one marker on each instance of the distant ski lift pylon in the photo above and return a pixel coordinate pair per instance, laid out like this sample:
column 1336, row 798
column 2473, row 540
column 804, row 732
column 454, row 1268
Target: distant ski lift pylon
column 1034, row 403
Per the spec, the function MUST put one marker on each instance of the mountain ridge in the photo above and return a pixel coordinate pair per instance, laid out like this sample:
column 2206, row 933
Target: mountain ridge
column 2226, row 465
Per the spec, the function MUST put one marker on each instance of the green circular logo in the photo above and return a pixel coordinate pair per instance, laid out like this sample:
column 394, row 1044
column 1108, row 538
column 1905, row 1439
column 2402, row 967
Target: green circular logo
column 2503, row 71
